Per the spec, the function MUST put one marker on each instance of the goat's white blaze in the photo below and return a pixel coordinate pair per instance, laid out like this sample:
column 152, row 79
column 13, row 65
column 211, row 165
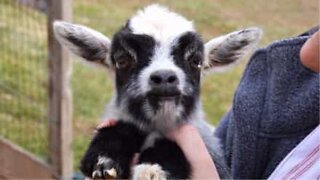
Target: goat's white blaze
column 161, row 60
column 168, row 113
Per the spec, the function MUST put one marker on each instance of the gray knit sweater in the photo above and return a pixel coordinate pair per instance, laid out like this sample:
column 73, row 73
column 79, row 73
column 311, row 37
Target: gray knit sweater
column 275, row 106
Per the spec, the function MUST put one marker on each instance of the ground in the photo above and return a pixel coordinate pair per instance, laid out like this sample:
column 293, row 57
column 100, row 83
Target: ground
column 23, row 69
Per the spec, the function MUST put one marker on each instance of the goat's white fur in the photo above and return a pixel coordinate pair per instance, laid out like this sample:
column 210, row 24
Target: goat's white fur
column 162, row 60
column 160, row 23
column 149, row 172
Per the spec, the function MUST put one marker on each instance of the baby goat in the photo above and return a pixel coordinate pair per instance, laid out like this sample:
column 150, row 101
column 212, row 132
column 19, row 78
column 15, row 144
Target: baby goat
column 157, row 58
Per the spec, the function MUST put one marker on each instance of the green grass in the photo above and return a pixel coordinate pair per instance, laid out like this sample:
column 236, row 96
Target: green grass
column 23, row 55
column 23, row 77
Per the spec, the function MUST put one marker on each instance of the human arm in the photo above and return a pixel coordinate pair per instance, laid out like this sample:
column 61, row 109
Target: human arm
column 309, row 53
column 192, row 145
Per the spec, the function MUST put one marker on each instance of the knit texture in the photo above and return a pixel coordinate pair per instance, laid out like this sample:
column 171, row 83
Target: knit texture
column 275, row 106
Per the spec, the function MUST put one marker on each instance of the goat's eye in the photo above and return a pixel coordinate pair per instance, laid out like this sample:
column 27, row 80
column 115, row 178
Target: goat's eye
column 122, row 63
column 195, row 61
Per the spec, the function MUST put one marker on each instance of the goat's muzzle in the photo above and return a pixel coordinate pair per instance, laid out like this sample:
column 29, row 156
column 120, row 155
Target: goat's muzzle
column 164, row 85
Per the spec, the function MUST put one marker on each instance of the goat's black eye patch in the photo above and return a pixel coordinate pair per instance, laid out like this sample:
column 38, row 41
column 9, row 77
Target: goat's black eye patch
column 188, row 49
column 130, row 53
column 188, row 55
column 139, row 47
column 189, row 45
column 189, row 39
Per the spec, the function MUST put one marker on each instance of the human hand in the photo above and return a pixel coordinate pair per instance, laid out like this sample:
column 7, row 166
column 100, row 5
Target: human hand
column 309, row 53
column 104, row 124
column 192, row 145
column 107, row 123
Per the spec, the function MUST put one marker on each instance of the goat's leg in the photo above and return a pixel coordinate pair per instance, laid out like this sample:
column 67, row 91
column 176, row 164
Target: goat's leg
column 165, row 160
column 111, row 151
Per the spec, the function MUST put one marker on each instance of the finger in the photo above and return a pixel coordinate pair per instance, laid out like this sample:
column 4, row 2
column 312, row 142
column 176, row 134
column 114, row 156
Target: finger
column 107, row 123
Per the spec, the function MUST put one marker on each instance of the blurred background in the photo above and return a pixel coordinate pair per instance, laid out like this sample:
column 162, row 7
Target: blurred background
column 24, row 56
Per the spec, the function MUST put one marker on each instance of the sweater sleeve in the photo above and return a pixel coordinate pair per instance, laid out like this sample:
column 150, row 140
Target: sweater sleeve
column 275, row 106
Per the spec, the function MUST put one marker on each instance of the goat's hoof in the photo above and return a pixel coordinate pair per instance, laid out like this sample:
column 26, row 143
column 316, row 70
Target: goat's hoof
column 104, row 169
column 148, row 172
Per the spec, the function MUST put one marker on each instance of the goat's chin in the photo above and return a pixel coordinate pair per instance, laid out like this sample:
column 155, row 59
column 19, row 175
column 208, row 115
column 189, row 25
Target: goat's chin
column 167, row 114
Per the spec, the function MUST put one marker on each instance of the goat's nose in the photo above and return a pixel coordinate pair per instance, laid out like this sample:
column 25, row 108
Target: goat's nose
column 163, row 78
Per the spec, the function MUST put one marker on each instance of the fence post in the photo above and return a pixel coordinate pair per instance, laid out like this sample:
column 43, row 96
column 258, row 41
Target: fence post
column 60, row 99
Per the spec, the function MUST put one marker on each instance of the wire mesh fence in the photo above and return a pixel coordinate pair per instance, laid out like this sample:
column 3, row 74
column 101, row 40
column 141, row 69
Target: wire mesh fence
column 23, row 77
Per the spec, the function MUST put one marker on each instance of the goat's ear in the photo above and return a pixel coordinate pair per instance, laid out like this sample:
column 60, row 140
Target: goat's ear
column 228, row 49
column 84, row 42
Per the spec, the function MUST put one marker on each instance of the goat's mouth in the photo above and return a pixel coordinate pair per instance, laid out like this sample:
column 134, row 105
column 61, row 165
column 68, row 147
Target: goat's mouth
column 164, row 95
